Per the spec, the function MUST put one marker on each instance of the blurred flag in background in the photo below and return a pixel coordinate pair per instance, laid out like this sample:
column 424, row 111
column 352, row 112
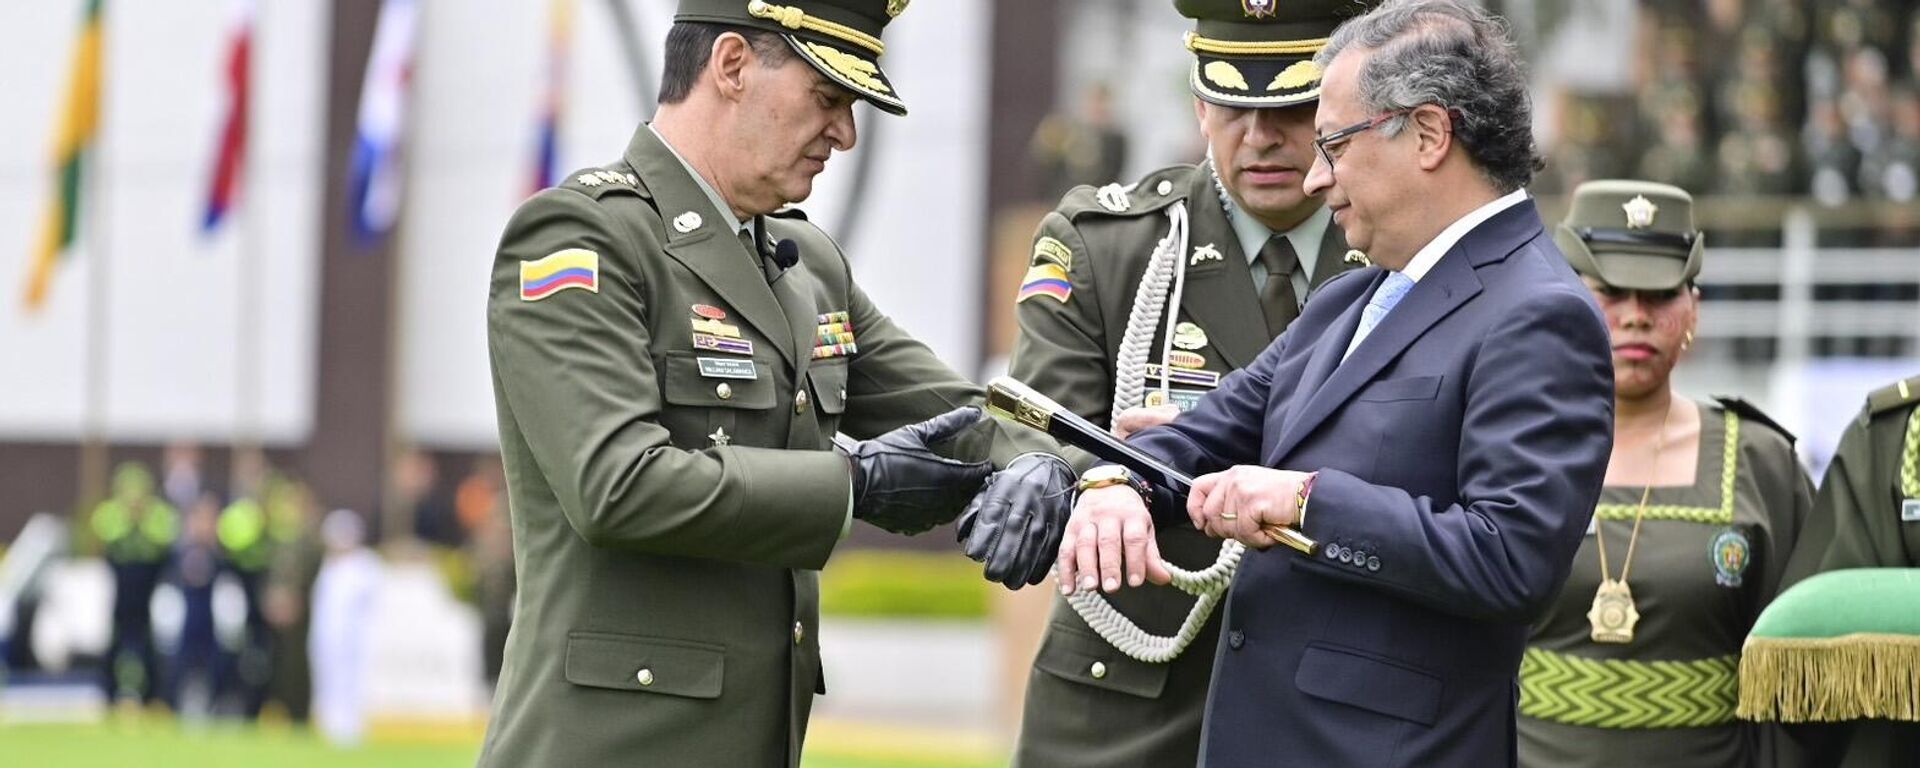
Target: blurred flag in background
column 79, row 125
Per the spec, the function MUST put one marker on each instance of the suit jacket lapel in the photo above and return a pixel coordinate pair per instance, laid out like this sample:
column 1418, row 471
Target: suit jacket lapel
column 710, row 250
column 1219, row 295
column 1450, row 284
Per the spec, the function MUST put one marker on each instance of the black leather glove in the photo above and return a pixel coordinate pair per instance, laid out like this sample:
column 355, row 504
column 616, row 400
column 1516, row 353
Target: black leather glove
column 901, row 485
column 1014, row 525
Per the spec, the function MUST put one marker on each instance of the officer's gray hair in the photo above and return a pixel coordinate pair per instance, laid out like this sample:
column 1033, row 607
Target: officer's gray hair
column 1454, row 56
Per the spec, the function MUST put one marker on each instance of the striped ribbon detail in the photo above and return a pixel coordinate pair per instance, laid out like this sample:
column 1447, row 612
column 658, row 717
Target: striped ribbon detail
column 1721, row 515
column 1612, row 693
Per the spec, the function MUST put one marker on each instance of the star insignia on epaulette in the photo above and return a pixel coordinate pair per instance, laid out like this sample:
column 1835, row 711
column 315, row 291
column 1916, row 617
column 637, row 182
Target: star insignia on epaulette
column 589, row 179
column 1113, row 197
column 610, row 177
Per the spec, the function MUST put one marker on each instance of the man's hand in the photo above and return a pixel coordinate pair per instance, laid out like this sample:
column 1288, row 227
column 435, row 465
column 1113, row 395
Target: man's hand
column 1237, row 503
column 1015, row 523
column 1138, row 418
column 901, row 485
column 1110, row 535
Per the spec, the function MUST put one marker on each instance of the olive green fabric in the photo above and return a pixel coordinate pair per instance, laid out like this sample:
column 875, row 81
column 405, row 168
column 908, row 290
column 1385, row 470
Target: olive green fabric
column 1636, row 235
column 1858, row 523
column 840, row 38
column 1259, row 53
column 1666, row 699
column 669, row 515
column 1135, row 714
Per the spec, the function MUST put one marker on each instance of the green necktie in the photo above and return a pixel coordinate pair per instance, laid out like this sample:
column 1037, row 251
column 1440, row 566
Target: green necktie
column 1277, row 300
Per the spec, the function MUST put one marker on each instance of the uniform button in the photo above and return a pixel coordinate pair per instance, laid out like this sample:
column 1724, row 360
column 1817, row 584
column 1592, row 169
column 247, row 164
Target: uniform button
column 1235, row 639
column 1346, row 555
column 800, row 402
column 1333, row 551
column 723, row 391
column 843, row 393
column 643, row 677
column 1164, row 187
column 1373, row 563
column 1360, row 558
column 799, row 632
column 1098, row 670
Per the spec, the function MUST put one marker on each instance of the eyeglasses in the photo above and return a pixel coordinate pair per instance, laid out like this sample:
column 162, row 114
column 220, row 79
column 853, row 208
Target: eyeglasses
column 1332, row 141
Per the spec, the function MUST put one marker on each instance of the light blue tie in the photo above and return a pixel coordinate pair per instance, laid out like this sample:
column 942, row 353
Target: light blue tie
column 1384, row 298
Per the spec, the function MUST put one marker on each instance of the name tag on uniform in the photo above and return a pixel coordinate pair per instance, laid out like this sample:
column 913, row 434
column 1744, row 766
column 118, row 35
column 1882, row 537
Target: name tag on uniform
column 1910, row 511
column 1184, row 399
column 723, row 368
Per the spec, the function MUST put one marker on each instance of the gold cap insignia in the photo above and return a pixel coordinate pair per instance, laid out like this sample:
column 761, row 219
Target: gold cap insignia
column 1225, row 75
column 855, row 69
column 1302, row 73
column 1640, row 212
column 1257, row 9
column 896, row 7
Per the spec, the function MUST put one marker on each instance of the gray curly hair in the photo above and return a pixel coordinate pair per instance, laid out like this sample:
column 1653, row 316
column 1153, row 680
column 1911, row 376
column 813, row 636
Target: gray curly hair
column 1457, row 57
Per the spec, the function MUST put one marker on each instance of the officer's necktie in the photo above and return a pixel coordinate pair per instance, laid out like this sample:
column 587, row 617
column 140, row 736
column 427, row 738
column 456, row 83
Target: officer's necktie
column 1277, row 300
column 1390, row 292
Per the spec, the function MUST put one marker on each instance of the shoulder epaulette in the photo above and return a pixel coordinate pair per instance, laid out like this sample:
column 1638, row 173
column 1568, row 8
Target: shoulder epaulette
column 1151, row 193
column 1746, row 410
column 597, row 182
column 1893, row 396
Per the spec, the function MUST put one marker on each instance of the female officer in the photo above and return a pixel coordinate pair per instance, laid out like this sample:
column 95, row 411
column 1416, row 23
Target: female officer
column 1636, row 662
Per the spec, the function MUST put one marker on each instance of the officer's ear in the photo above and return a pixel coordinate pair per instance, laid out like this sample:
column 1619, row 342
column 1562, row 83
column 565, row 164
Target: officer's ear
column 727, row 63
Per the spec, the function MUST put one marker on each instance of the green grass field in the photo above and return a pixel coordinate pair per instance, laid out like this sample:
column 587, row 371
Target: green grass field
column 157, row 743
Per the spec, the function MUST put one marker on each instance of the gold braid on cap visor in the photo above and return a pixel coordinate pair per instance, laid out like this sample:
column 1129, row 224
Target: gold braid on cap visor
column 1200, row 44
column 795, row 18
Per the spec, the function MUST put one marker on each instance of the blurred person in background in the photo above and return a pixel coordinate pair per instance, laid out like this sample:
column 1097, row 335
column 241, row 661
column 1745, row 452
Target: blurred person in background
column 181, row 476
column 1256, row 245
column 198, row 663
column 1088, row 148
column 137, row 530
column 431, row 510
column 1867, row 515
column 1636, row 661
column 297, row 554
column 343, row 603
column 668, row 428
column 491, row 546
column 246, row 548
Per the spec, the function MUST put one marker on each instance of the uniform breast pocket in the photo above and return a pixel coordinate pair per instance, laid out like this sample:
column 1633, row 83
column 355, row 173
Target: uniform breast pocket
column 706, row 395
column 829, row 378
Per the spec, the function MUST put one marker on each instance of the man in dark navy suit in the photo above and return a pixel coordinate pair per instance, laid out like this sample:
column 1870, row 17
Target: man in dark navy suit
column 1439, row 424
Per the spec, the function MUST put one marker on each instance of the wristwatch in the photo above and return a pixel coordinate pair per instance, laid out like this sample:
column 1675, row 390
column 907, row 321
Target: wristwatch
column 1113, row 474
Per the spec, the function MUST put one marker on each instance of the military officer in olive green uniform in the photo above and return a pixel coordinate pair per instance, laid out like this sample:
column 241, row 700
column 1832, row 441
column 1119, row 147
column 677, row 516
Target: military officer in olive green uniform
column 1128, row 337
column 671, row 360
column 1867, row 515
column 1634, row 662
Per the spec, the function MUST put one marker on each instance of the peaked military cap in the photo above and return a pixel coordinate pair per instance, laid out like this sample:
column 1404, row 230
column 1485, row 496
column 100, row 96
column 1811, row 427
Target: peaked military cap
column 840, row 38
column 1636, row 235
column 1259, row 53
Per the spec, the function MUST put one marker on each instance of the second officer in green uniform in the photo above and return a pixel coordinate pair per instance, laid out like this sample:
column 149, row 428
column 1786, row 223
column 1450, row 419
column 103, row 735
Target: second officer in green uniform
column 1127, row 338
column 671, row 360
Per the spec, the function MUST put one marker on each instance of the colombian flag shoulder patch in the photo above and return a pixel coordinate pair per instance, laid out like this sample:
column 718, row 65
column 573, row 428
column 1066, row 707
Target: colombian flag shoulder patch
column 558, row 271
column 1047, row 280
